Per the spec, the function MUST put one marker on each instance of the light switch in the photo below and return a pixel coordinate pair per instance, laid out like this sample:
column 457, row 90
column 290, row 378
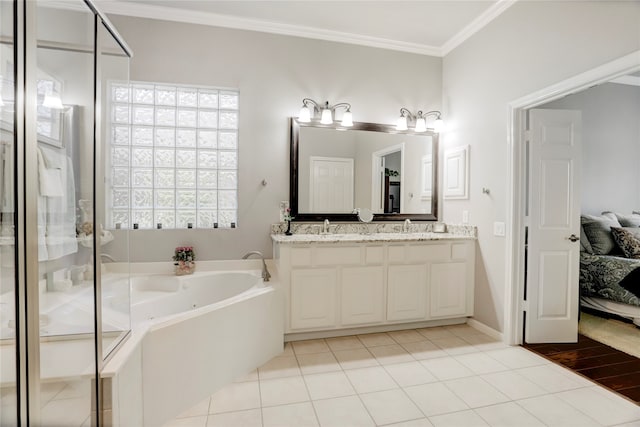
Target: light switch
column 498, row 229
column 465, row 217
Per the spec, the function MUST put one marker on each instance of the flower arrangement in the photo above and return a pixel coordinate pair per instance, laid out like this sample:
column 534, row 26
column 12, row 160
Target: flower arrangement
column 287, row 215
column 288, row 218
column 184, row 258
column 185, row 254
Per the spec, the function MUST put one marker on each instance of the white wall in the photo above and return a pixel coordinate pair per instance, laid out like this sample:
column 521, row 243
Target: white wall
column 610, row 146
column 273, row 74
column 529, row 47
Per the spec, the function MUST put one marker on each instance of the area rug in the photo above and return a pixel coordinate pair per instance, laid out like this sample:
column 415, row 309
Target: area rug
column 614, row 333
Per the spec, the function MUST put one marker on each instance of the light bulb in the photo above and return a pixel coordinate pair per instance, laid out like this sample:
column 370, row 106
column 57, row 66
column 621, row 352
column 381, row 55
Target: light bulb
column 326, row 117
column 305, row 114
column 402, row 123
column 438, row 125
column 53, row 102
column 347, row 119
column 421, row 125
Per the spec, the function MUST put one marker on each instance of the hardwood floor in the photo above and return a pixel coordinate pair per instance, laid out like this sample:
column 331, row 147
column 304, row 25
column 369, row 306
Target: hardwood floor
column 605, row 365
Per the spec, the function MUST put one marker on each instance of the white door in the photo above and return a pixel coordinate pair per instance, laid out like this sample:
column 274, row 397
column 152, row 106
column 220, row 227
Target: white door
column 554, row 225
column 331, row 185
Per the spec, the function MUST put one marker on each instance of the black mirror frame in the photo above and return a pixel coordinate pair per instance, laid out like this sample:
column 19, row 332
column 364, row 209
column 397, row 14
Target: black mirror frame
column 294, row 137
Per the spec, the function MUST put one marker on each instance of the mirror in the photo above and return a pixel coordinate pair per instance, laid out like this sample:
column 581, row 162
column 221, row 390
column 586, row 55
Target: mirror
column 336, row 170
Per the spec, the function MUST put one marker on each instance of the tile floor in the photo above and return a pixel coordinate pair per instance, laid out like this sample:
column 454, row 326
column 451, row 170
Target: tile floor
column 444, row 376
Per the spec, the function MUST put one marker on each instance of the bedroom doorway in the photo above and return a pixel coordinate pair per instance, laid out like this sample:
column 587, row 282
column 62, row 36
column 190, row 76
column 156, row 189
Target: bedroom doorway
column 516, row 307
column 552, row 215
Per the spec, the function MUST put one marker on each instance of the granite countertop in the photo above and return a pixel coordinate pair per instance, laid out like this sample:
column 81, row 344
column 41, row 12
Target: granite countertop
column 372, row 237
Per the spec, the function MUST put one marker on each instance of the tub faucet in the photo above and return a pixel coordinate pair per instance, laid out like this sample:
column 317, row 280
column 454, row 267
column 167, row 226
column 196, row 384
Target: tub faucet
column 265, row 273
column 107, row 256
column 325, row 226
column 406, row 225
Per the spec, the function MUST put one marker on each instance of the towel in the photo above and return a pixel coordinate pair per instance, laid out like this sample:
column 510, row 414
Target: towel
column 6, row 173
column 50, row 174
column 56, row 205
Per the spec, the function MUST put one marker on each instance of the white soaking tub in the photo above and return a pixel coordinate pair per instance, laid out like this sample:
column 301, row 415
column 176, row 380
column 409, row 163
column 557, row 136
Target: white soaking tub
column 191, row 335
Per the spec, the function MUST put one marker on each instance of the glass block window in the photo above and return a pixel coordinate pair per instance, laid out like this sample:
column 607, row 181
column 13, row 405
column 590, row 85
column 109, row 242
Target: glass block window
column 173, row 156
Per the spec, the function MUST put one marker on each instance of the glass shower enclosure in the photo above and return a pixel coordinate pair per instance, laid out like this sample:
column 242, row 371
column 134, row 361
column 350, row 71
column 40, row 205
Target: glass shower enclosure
column 63, row 310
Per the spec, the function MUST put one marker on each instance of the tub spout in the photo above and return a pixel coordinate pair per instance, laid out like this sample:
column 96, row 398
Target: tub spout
column 265, row 273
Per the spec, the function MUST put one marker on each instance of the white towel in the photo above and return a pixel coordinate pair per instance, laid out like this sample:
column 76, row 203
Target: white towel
column 56, row 205
column 49, row 175
column 7, row 168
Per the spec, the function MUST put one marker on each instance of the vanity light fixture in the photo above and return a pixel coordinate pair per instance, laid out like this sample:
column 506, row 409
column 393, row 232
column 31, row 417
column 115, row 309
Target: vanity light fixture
column 310, row 107
column 420, row 120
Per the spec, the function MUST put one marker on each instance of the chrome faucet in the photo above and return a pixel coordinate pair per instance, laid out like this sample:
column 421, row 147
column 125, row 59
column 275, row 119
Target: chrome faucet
column 107, row 256
column 406, row 225
column 265, row 273
column 325, row 227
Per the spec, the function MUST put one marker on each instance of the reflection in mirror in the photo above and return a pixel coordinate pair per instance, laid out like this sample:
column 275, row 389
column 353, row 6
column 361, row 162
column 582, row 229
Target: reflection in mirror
column 336, row 171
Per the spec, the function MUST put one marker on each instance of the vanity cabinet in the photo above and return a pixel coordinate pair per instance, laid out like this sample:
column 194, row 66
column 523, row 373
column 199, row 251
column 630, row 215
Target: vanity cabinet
column 313, row 297
column 362, row 295
column 332, row 286
column 407, row 292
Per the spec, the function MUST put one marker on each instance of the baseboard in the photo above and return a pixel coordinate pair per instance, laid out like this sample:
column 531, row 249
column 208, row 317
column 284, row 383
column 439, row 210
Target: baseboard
column 487, row 330
column 298, row 336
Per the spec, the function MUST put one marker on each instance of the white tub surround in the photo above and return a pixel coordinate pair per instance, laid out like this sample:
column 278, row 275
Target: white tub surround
column 334, row 284
column 191, row 335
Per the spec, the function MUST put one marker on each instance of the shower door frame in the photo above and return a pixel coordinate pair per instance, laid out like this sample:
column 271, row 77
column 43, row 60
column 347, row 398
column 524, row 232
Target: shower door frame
column 26, row 223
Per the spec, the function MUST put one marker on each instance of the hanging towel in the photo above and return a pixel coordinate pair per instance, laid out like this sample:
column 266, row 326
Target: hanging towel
column 50, row 174
column 6, row 173
column 56, row 204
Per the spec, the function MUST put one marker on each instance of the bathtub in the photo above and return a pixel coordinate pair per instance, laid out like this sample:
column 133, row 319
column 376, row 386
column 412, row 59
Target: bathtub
column 191, row 335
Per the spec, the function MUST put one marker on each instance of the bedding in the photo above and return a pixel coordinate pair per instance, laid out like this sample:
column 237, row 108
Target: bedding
column 600, row 276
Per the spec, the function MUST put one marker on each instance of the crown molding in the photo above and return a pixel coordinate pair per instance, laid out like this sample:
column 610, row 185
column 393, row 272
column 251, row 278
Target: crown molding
column 227, row 21
column 139, row 10
column 476, row 25
column 627, row 80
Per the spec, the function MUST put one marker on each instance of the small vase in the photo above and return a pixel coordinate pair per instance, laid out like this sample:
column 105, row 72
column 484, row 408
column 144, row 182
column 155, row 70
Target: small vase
column 185, row 267
column 288, row 232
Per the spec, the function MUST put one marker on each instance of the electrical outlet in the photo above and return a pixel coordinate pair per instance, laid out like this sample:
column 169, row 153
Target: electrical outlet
column 499, row 229
column 465, row 217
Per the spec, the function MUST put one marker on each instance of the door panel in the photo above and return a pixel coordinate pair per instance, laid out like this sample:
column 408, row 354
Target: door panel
column 362, row 295
column 553, row 259
column 331, row 185
column 407, row 292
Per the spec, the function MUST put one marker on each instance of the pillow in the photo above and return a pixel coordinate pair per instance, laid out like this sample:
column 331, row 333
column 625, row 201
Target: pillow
column 598, row 232
column 632, row 220
column 628, row 242
column 632, row 282
column 585, row 246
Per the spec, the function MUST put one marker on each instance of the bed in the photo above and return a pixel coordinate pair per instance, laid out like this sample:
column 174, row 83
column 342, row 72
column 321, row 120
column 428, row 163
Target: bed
column 600, row 276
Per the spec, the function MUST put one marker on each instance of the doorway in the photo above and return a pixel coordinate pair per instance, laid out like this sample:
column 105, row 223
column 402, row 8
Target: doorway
column 516, row 306
column 388, row 176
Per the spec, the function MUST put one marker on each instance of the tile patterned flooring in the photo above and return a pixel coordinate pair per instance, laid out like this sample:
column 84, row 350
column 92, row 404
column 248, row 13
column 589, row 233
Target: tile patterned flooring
column 443, row 376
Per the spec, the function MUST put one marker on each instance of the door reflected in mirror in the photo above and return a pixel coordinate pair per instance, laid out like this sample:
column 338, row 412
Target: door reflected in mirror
column 336, row 171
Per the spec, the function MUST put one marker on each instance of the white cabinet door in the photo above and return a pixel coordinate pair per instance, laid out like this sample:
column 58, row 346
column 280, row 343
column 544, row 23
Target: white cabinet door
column 313, row 298
column 447, row 292
column 407, row 292
column 362, row 295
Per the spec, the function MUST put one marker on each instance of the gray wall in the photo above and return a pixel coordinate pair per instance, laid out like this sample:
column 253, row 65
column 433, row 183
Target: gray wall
column 610, row 146
column 532, row 45
column 273, row 74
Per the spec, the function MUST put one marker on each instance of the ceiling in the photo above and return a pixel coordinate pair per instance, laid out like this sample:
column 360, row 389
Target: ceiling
column 431, row 27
